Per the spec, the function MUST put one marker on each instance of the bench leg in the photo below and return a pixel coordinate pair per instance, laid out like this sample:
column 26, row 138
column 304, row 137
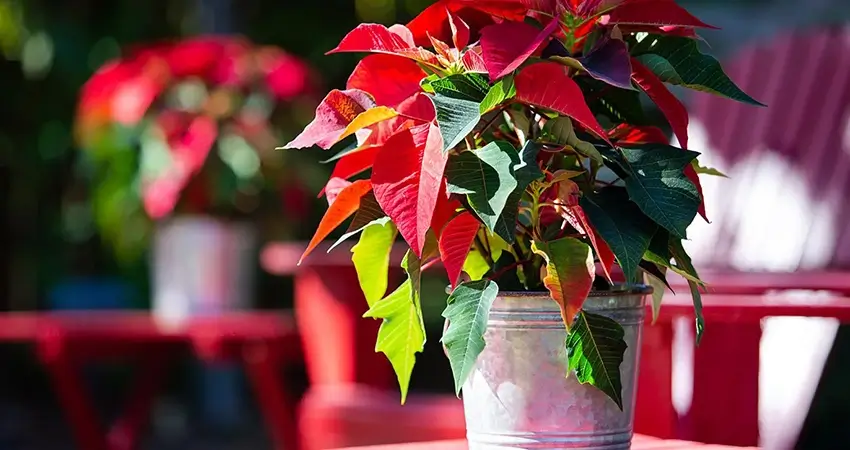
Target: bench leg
column 277, row 406
column 78, row 408
column 125, row 432
column 724, row 406
column 654, row 412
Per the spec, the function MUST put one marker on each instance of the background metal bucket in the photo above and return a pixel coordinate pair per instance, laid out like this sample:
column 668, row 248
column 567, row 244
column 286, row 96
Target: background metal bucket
column 519, row 395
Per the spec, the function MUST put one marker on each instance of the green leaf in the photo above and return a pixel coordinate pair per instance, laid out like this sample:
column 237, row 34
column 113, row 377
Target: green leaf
column 475, row 265
column 707, row 170
column 658, row 185
column 470, row 86
column 618, row 105
column 678, row 60
column 504, row 89
column 569, row 273
column 468, row 310
column 621, row 224
column 659, row 254
column 371, row 258
column 525, row 170
column 659, row 248
column 683, row 261
column 485, row 176
column 456, row 118
column 525, row 167
column 401, row 334
column 350, row 148
column 595, row 349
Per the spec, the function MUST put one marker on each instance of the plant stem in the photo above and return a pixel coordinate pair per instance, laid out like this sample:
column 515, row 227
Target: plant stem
column 496, row 115
column 511, row 266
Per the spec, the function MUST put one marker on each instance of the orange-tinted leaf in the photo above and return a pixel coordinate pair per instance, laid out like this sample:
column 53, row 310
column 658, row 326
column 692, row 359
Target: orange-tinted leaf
column 336, row 112
column 345, row 204
column 389, row 79
column 569, row 273
column 368, row 118
column 396, row 40
column 547, row 85
column 654, row 12
column 672, row 108
column 505, row 46
column 407, row 177
column 455, row 242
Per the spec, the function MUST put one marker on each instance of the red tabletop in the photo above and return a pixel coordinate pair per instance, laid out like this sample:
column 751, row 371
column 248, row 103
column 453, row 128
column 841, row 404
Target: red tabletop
column 65, row 341
column 639, row 443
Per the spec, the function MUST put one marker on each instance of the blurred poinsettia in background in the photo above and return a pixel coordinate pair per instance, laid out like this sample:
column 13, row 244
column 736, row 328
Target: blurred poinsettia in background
column 190, row 127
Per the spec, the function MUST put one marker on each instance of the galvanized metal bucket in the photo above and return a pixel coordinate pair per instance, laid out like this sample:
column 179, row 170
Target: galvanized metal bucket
column 519, row 395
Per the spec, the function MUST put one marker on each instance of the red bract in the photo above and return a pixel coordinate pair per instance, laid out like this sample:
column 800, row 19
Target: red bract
column 547, row 85
column 372, row 73
column 507, row 45
column 407, row 177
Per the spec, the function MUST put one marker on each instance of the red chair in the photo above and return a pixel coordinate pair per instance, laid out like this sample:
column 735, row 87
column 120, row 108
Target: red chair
column 778, row 223
column 353, row 397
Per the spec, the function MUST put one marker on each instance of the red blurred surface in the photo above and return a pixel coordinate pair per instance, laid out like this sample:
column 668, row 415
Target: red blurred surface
column 262, row 342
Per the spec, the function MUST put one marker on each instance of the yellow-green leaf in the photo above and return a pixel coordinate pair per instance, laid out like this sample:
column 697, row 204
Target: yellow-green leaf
column 401, row 334
column 371, row 258
column 475, row 265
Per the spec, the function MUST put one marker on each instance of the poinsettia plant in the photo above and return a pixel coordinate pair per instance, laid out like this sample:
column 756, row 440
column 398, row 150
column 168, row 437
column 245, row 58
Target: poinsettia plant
column 186, row 127
column 506, row 139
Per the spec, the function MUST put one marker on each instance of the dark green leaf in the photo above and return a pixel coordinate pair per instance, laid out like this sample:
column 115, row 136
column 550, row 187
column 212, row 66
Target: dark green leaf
column 525, row 170
column 683, row 261
column 621, row 224
column 486, row 177
column 504, row 89
column 468, row 310
column 658, row 185
column 468, row 86
column 350, row 148
column 456, row 118
column 618, row 105
column 659, row 248
column 678, row 60
column 595, row 348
